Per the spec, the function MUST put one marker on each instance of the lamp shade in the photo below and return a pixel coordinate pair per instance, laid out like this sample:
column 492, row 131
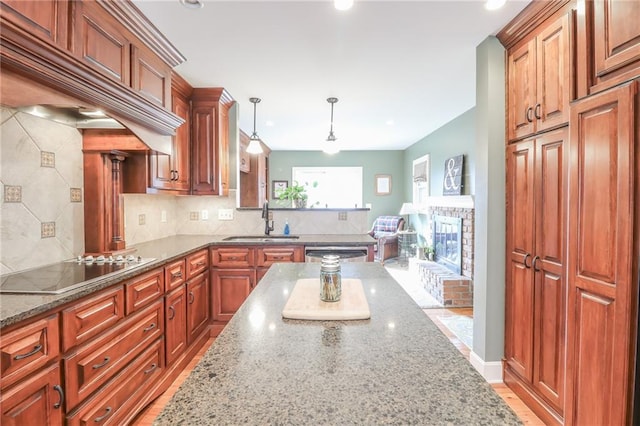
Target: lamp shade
column 407, row 208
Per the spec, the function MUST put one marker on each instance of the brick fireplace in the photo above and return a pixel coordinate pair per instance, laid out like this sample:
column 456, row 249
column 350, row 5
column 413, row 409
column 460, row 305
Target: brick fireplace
column 447, row 284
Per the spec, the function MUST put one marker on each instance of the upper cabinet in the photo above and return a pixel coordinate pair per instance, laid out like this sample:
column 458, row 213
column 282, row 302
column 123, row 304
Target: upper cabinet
column 539, row 80
column 172, row 171
column 609, row 38
column 46, row 20
column 104, row 54
column 210, row 141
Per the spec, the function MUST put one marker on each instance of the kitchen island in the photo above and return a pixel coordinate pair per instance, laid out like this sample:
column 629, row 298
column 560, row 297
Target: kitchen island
column 394, row 368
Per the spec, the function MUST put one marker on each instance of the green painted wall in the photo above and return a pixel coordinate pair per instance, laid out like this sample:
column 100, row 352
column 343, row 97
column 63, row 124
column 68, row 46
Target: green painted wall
column 373, row 163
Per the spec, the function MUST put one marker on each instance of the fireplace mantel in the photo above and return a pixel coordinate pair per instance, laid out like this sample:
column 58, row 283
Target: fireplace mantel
column 460, row 201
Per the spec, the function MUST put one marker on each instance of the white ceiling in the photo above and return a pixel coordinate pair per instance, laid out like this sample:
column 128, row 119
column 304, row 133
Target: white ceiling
column 400, row 69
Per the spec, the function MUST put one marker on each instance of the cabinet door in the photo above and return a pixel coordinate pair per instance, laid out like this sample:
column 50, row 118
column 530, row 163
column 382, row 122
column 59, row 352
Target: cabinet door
column 521, row 96
column 267, row 256
column 230, row 289
column 197, row 306
column 181, row 144
column 150, row 76
column 520, row 243
column 176, row 324
column 616, row 41
column 205, row 149
column 232, row 257
column 38, row 400
column 175, row 274
column 603, row 282
column 245, row 158
column 45, row 19
column 100, row 41
column 548, row 265
column 553, row 75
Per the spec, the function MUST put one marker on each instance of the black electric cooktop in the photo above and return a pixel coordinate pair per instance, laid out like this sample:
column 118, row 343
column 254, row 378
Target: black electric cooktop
column 64, row 276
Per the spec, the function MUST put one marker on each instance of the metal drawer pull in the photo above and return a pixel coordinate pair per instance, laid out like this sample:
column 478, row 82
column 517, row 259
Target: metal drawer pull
column 526, row 256
column 102, row 364
column 232, row 257
column 35, row 350
column 534, row 263
column 192, row 298
column 528, row 114
column 536, row 112
column 58, row 389
column 153, row 367
column 200, row 264
column 107, row 414
column 176, row 275
column 151, row 327
column 172, row 310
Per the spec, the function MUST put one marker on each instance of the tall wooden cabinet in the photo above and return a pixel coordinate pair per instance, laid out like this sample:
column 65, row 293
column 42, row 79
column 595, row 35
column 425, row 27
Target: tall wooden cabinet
column 535, row 295
column 603, row 261
column 572, row 289
column 254, row 174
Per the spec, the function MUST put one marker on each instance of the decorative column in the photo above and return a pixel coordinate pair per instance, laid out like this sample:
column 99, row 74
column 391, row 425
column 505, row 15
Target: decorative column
column 117, row 209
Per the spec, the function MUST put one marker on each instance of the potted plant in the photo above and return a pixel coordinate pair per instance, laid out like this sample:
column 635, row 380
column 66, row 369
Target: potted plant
column 296, row 194
column 429, row 252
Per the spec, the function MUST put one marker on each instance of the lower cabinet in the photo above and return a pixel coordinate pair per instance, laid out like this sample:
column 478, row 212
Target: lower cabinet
column 37, row 400
column 175, row 314
column 197, row 306
column 230, row 289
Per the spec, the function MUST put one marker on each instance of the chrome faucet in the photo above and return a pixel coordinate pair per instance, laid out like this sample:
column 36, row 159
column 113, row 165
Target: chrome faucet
column 265, row 215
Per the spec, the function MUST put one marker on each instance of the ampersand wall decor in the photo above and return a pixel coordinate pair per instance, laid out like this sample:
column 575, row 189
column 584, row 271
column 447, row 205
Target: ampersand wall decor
column 452, row 184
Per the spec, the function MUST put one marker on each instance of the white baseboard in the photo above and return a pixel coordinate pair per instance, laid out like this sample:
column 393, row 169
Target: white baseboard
column 491, row 371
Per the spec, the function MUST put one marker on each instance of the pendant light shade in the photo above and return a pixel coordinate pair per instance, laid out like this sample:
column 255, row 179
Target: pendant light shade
column 255, row 147
column 331, row 147
column 343, row 4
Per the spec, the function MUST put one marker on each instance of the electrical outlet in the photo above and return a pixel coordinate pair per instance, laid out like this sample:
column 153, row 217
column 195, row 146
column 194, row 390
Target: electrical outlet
column 225, row 214
column 204, row 215
column 142, row 219
column 342, row 215
column 163, row 216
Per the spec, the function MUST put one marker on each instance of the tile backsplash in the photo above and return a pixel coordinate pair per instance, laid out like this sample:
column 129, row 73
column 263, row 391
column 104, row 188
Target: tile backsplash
column 41, row 165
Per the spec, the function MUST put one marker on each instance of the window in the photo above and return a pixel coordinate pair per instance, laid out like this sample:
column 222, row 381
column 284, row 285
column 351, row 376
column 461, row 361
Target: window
column 338, row 187
column 421, row 181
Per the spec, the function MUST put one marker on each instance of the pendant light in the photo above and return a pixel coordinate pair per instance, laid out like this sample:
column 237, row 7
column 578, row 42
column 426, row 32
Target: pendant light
column 254, row 141
column 343, row 4
column 332, row 146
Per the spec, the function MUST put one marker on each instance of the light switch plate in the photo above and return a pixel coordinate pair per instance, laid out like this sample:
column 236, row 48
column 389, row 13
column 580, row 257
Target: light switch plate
column 163, row 216
column 225, row 214
column 204, row 215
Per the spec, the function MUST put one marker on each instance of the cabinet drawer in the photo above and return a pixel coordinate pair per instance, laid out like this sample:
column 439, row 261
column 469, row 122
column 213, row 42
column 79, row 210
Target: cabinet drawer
column 119, row 395
column 175, row 274
column 232, row 257
column 267, row 256
column 91, row 316
column 93, row 364
column 28, row 348
column 144, row 289
column 196, row 263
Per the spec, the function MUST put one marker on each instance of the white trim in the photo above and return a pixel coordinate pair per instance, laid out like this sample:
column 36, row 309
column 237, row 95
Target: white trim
column 462, row 201
column 491, row 371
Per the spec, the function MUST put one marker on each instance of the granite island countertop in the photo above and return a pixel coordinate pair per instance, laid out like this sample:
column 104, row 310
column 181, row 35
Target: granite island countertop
column 394, row 368
column 18, row 307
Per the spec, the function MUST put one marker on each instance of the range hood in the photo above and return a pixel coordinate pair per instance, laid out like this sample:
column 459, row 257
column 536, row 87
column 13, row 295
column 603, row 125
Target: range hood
column 79, row 117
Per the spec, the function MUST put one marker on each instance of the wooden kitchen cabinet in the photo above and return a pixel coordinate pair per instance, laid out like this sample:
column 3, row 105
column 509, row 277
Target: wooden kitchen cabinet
column 602, row 262
column 101, row 42
column 144, row 289
column 176, row 324
column 198, row 311
column 197, row 263
column 173, row 171
column 539, row 80
column 210, row 141
column 535, row 291
column 38, row 400
column 244, row 158
column 267, row 256
column 150, row 76
column 608, row 44
column 255, row 181
column 28, row 348
column 47, row 20
column 235, row 257
column 230, row 289
column 175, row 274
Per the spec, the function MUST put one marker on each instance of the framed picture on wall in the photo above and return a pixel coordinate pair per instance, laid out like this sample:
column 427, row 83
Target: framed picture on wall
column 383, row 185
column 278, row 186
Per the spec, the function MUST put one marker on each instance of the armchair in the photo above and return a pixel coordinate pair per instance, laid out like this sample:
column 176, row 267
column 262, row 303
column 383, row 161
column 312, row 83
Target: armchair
column 385, row 230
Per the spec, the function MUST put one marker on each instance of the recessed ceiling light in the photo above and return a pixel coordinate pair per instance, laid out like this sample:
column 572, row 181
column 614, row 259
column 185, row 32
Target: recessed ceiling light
column 390, row 123
column 192, row 4
column 494, row 4
column 270, row 123
column 343, row 4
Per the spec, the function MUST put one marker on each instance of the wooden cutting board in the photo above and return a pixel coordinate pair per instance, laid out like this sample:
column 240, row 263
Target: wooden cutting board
column 304, row 302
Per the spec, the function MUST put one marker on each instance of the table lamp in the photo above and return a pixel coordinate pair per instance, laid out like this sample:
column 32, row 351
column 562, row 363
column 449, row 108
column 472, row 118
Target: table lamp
column 408, row 209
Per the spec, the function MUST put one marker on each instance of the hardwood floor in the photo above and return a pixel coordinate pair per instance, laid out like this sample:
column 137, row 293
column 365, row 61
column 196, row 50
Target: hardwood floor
column 522, row 411
column 147, row 417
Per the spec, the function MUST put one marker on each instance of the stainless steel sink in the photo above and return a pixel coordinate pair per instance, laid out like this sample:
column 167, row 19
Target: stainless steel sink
column 261, row 238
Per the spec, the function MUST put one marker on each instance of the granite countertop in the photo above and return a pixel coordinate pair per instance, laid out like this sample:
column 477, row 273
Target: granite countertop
column 18, row 307
column 394, row 368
